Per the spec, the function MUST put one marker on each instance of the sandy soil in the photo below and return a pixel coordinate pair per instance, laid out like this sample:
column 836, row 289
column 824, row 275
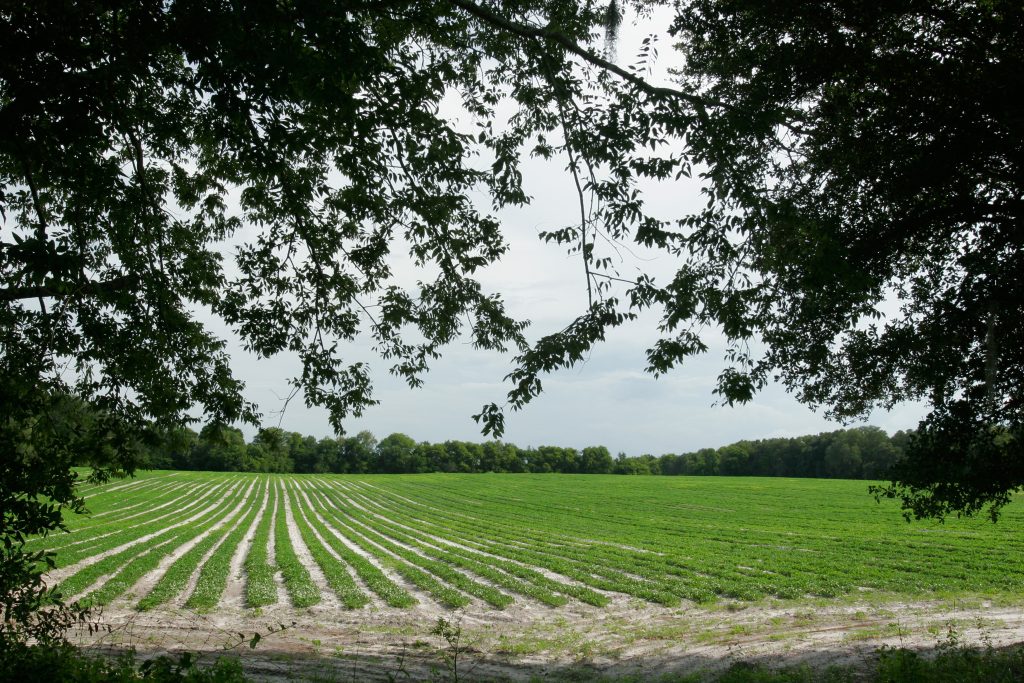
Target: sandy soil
column 528, row 640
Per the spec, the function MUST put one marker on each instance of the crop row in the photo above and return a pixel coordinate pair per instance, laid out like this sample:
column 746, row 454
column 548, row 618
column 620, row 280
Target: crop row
column 495, row 539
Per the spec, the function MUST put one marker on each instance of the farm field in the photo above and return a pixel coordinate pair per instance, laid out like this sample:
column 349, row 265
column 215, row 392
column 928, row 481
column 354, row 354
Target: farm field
column 540, row 572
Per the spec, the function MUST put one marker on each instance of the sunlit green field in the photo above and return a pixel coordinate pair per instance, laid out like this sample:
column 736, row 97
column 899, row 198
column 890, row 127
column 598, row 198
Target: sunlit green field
column 452, row 540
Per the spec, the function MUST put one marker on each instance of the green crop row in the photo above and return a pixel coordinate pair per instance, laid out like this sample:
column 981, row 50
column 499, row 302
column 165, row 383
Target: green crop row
column 551, row 538
column 132, row 533
column 213, row 576
column 373, row 577
column 176, row 578
column 445, row 595
column 482, row 563
column 130, row 564
column 85, row 529
column 301, row 588
column 442, row 570
column 335, row 572
column 478, row 565
column 260, row 588
column 573, row 565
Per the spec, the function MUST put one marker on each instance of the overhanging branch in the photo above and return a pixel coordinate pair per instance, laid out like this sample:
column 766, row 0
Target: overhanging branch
column 112, row 285
column 547, row 33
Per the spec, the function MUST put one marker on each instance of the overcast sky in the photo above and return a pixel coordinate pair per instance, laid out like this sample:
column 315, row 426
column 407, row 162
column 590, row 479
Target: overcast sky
column 609, row 400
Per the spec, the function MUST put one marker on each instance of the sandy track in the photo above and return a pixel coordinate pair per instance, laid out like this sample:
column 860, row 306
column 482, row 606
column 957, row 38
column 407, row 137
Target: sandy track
column 523, row 641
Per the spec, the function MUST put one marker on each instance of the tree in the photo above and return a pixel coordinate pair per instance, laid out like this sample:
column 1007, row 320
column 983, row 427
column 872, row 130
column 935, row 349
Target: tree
column 734, row 458
column 865, row 155
column 220, row 449
column 272, row 450
column 595, row 460
column 853, row 154
column 358, row 453
column 394, row 453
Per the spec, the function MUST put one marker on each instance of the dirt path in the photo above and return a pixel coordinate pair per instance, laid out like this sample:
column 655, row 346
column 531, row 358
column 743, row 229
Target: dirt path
column 522, row 641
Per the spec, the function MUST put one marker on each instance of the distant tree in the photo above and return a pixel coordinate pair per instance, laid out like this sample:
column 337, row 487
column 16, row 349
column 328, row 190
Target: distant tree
column 460, row 456
column 175, row 448
column 706, row 461
column 552, row 459
column 595, row 460
column 877, row 452
column 359, row 453
column 734, row 459
column 642, row 465
column 496, row 456
column 394, row 453
column 220, row 449
column 272, row 450
column 305, row 455
column 328, row 456
column 434, row 457
column 843, row 457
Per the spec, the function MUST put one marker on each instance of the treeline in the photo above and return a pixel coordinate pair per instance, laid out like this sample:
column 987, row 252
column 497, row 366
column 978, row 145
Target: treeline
column 861, row 453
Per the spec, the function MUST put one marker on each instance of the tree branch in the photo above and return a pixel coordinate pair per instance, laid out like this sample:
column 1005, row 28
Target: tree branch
column 487, row 16
column 92, row 288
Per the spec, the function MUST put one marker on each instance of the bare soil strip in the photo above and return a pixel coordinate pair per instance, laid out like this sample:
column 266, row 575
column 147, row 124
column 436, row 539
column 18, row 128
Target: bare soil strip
column 522, row 641
column 282, row 592
column 58, row 575
column 234, row 593
column 147, row 581
column 328, row 600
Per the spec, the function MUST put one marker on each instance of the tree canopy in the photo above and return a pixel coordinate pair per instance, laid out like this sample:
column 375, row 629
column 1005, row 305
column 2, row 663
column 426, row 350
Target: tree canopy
column 168, row 162
column 859, row 453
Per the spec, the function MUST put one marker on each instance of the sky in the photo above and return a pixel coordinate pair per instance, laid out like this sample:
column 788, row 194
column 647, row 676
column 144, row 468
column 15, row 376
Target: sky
column 608, row 400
